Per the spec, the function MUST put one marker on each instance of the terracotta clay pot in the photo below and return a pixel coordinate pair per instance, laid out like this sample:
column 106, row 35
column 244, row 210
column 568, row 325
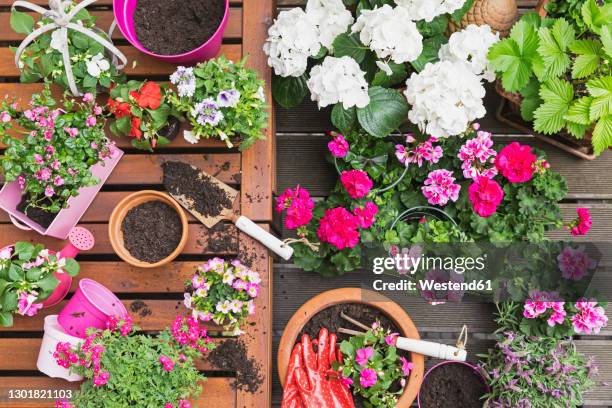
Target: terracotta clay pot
column 500, row 15
column 121, row 210
column 353, row 295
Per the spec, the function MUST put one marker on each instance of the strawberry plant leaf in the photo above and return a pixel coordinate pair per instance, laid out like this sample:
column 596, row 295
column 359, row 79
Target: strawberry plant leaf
column 531, row 100
column 595, row 16
column 601, row 90
column 588, row 58
column 553, row 47
column 557, row 95
column 576, row 130
column 606, row 39
column 578, row 113
column 602, row 134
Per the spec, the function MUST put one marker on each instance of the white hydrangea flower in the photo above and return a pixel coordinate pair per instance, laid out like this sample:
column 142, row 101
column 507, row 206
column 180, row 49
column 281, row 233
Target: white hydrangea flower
column 330, row 17
column 389, row 32
column 429, row 9
column 445, row 97
column 339, row 80
column 291, row 40
column 471, row 46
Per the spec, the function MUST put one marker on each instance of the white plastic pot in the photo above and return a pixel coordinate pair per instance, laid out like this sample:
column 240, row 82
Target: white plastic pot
column 46, row 363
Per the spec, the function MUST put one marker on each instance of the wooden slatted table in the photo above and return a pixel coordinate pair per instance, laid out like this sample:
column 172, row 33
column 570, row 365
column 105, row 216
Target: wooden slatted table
column 155, row 296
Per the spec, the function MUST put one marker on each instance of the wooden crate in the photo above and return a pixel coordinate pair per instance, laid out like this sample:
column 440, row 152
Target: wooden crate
column 154, row 297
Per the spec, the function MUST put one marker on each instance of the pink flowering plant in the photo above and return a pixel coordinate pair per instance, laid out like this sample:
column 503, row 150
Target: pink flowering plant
column 475, row 192
column 51, row 147
column 373, row 367
column 123, row 368
column 224, row 292
column 27, row 278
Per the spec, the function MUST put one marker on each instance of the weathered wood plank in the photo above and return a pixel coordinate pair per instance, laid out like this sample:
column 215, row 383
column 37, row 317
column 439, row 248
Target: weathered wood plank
column 201, row 241
column 144, row 64
column 216, row 392
column 105, row 18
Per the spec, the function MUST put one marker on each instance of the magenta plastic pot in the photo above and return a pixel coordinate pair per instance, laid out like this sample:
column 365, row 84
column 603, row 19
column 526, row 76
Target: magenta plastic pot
column 124, row 15
column 66, row 219
column 473, row 367
column 90, row 307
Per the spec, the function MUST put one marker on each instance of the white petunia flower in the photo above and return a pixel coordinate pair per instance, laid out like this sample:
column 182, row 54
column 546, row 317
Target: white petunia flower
column 339, row 80
column 471, row 46
column 389, row 33
column 261, row 94
column 330, row 17
column 191, row 137
column 97, row 65
column 445, row 98
column 58, row 42
column 291, row 40
column 429, row 9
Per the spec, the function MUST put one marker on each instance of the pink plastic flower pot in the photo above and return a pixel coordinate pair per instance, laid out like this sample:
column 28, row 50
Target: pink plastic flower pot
column 66, row 219
column 471, row 366
column 90, row 307
column 46, row 363
column 124, row 15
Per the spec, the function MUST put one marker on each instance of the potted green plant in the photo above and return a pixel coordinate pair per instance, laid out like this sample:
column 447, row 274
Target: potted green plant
column 559, row 75
column 56, row 161
column 141, row 112
column 124, row 368
column 65, row 47
column 221, row 99
column 30, row 274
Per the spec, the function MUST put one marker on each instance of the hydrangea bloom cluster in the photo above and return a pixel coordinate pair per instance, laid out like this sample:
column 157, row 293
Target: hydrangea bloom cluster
column 185, row 81
column 338, row 80
column 423, row 152
column 516, row 162
column 357, row 183
column 440, row 187
column 470, row 46
column 297, row 34
column 427, row 9
column 223, row 292
column 390, row 33
column 575, row 263
column 445, row 98
column 477, row 155
column 582, row 224
column 298, row 206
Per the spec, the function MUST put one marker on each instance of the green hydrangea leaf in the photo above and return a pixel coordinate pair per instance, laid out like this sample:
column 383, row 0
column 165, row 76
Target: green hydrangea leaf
column 557, row 95
column 588, row 58
column 289, row 92
column 385, row 112
column 343, row 119
column 431, row 48
column 349, row 45
column 602, row 134
column 398, row 76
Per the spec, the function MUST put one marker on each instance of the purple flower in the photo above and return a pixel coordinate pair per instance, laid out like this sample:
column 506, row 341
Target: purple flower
column 207, row 113
column 228, row 98
column 185, row 81
column 363, row 355
column 368, row 378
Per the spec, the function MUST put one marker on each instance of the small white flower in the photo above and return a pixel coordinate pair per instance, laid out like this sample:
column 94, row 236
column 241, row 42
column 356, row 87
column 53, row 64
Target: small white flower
column 330, row 17
column 228, row 278
column 58, row 42
column 384, row 67
column 6, row 253
column 389, row 33
column 339, row 80
column 429, row 9
column 471, row 46
column 97, row 65
column 223, row 307
column 191, row 137
column 201, row 292
column 291, row 40
column 187, row 300
column 445, row 97
column 236, row 306
column 261, row 94
column 185, row 81
column 254, row 277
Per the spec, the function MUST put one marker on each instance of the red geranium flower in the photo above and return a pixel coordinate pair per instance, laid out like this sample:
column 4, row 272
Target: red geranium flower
column 135, row 131
column 149, row 96
column 119, row 109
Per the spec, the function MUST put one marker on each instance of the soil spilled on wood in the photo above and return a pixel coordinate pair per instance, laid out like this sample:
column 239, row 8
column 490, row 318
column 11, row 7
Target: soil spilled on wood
column 41, row 217
column 452, row 385
column 220, row 241
column 177, row 26
column 231, row 355
column 182, row 179
column 151, row 231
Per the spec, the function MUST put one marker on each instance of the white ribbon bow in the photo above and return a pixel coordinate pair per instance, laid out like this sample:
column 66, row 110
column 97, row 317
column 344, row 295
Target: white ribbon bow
column 63, row 22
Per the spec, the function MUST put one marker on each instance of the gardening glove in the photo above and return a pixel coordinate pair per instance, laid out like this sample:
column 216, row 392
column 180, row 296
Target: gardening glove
column 291, row 394
column 319, row 385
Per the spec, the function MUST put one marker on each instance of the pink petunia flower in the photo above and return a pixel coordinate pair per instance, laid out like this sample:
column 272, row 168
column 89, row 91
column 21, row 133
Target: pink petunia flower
column 368, row 378
column 516, row 162
column 5, row 117
column 440, row 187
column 346, row 381
column 357, row 183
column 338, row 227
column 338, row 146
column 26, row 305
column 485, row 195
column 167, row 363
column 366, row 215
column 406, row 366
column 363, row 355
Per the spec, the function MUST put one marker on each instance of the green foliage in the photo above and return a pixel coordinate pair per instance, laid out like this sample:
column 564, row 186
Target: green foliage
column 562, row 70
column 247, row 120
column 28, row 269
column 40, row 60
column 290, row 91
column 385, row 112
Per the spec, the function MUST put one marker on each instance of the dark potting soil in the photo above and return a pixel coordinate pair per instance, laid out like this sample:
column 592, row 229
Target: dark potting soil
column 452, row 385
column 330, row 319
column 171, row 129
column 41, row 217
column 151, row 231
column 177, row 26
column 231, row 355
column 182, row 179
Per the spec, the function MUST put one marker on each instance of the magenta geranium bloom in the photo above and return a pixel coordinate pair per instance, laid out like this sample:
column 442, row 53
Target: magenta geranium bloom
column 516, row 162
column 368, row 378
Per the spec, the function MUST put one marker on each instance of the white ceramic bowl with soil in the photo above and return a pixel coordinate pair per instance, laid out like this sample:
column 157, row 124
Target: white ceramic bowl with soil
column 374, row 304
column 452, row 383
column 148, row 229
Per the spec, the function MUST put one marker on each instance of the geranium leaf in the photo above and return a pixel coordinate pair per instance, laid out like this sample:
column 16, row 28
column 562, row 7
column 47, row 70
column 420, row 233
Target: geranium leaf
column 385, row 112
column 6, row 319
column 349, row 45
column 289, row 92
column 72, row 267
column 602, row 134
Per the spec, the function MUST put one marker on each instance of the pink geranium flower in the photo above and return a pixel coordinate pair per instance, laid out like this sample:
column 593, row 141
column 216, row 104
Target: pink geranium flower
column 440, row 187
column 582, row 224
column 516, row 162
column 298, row 206
column 90, row 121
column 368, row 378
column 363, row 355
column 357, row 183
column 574, row 263
column 423, row 152
column 366, row 215
column 338, row 227
column 391, row 339
column 476, row 154
column 338, row 146
column 590, row 318
column 485, row 195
